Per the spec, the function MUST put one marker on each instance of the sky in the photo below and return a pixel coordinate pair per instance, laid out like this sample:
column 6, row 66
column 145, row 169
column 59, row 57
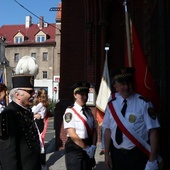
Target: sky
column 11, row 13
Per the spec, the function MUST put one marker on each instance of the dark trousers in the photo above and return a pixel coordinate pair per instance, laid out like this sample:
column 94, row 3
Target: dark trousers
column 132, row 159
column 76, row 158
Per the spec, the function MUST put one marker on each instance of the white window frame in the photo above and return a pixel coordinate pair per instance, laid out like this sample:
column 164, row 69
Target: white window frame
column 40, row 38
column 18, row 39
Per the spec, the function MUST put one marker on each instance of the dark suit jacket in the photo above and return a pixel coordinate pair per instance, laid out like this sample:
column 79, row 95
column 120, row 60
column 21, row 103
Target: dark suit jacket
column 19, row 141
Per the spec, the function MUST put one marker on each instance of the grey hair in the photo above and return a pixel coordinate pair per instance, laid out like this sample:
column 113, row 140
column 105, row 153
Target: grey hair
column 12, row 93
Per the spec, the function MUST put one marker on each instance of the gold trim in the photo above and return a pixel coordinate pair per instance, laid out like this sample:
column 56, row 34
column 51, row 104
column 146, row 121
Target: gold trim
column 80, row 88
column 123, row 76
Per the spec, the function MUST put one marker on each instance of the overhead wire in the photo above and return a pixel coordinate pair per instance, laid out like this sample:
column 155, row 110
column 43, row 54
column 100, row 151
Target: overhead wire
column 35, row 15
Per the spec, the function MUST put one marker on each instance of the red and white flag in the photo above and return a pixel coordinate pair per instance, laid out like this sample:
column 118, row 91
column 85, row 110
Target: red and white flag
column 103, row 94
column 144, row 84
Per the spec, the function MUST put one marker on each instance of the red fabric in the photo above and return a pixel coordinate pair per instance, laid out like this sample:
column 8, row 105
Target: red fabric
column 145, row 84
column 46, row 119
column 99, row 116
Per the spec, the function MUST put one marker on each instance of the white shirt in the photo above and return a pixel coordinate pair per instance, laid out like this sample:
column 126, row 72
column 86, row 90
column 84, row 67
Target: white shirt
column 71, row 120
column 1, row 108
column 137, row 117
column 39, row 108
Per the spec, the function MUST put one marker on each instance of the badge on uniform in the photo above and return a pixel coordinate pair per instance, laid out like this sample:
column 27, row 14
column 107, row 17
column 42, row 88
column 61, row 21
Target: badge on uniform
column 68, row 117
column 152, row 113
column 132, row 118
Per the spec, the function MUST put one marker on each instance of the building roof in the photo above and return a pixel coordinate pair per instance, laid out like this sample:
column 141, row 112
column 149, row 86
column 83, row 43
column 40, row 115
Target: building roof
column 7, row 33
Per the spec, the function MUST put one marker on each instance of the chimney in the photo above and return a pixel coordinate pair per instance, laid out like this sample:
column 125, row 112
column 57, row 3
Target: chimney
column 28, row 21
column 41, row 22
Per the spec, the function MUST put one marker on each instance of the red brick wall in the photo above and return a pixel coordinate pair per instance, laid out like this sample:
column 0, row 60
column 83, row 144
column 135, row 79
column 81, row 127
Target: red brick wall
column 86, row 27
column 72, row 46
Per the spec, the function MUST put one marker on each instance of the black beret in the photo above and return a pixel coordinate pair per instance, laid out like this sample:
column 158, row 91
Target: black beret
column 80, row 87
column 21, row 80
column 124, row 74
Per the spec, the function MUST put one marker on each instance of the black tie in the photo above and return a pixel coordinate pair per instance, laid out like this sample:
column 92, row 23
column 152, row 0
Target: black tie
column 84, row 111
column 119, row 136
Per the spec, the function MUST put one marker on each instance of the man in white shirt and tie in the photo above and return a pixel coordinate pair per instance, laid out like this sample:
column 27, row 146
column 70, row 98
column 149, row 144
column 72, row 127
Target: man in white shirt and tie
column 128, row 131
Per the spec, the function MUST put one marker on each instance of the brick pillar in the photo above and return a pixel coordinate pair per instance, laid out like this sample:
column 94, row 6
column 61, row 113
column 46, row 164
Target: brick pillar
column 60, row 133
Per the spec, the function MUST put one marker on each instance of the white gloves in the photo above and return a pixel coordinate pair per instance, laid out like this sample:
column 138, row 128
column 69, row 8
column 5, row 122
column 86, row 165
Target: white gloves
column 152, row 165
column 93, row 150
column 90, row 151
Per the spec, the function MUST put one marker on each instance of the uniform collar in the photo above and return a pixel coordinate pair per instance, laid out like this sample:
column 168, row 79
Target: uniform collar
column 128, row 99
column 78, row 107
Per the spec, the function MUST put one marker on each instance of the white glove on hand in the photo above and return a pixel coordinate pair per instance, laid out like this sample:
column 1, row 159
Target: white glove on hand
column 89, row 152
column 93, row 150
column 152, row 165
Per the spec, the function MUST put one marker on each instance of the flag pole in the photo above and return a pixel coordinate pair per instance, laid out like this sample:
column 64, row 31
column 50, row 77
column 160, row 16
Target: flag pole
column 129, row 46
column 106, row 49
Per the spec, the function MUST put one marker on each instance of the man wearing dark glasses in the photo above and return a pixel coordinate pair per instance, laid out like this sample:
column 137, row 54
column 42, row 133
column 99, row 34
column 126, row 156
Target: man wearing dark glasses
column 19, row 141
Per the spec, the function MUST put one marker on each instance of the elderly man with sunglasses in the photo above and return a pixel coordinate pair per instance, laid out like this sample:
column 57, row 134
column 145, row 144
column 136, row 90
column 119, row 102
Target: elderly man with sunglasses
column 19, row 141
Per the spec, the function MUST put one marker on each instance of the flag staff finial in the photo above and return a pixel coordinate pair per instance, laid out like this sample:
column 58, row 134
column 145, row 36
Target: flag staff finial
column 128, row 35
column 107, row 48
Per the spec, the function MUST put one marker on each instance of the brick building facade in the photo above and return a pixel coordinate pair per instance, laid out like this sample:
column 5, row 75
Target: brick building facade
column 88, row 25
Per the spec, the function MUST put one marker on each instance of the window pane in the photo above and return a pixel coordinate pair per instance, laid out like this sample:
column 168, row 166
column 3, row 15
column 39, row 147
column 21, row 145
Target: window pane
column 40, row 38
column 45, row 56
column 33, row 55
column 18, row 40
column 16, row 57
column 44, row 74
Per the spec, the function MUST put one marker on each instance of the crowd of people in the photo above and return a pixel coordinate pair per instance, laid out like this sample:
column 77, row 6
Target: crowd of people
column 130, row 128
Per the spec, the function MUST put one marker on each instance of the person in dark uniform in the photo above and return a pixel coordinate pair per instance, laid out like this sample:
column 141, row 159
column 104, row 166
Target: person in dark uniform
column 80, row 125
column 131, row 123
column 19, row 140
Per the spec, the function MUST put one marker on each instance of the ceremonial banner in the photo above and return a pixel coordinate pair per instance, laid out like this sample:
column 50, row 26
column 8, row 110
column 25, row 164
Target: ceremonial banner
column 145, row 84
column 103, row 94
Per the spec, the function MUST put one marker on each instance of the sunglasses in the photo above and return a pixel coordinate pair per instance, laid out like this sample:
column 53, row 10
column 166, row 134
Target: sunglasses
column 31, row 92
